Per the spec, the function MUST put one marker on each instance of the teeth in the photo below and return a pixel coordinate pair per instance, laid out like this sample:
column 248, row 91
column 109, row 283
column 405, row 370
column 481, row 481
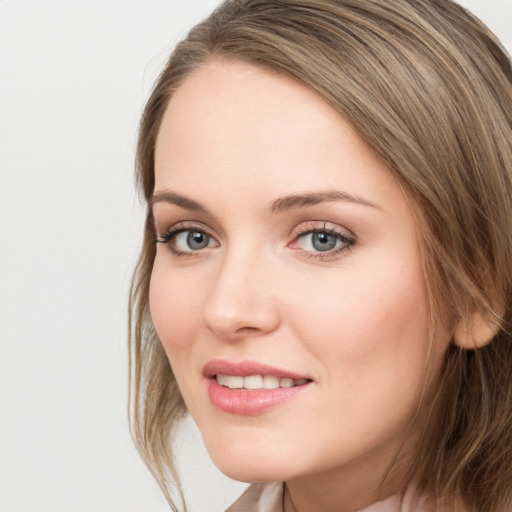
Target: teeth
column 257, row 382
column 286, row 383
column 270, row 382
column 231, row 381
column 253, row 382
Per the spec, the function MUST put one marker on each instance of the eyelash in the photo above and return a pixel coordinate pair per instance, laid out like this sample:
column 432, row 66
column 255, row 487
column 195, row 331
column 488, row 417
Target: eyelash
column 169, row 237
column 347, row 242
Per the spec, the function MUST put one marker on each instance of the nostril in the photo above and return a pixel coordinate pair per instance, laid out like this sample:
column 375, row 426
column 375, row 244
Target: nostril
column 247, row 330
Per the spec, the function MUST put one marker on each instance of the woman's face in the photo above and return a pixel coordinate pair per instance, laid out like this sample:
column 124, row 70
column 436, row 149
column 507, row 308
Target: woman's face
column 289, row 257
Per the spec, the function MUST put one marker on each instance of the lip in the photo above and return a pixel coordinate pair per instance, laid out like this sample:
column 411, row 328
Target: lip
column 246, row 368
column 247, row 402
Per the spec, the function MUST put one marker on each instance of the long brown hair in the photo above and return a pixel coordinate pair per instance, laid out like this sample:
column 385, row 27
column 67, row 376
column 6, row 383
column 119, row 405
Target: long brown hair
column 429, row 88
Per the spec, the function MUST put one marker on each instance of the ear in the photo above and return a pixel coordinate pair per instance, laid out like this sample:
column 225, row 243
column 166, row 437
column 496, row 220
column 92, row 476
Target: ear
column 475, row 331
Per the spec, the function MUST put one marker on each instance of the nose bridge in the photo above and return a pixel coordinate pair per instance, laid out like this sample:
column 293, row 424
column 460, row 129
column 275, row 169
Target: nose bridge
column 240, row 301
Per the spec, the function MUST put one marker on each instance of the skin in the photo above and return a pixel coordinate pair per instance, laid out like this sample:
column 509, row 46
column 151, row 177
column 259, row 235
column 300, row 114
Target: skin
column 234, row 139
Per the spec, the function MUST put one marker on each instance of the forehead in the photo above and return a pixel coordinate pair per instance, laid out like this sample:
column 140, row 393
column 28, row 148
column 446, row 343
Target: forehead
column 234, row 115
column 225, row 102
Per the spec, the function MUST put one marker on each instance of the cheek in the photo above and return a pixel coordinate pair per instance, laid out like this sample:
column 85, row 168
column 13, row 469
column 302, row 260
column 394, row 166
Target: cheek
column 371, row 336
column 376, row 318
column 173, row 306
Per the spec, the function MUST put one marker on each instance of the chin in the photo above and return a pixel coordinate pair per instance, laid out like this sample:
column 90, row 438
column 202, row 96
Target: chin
column 244, row 471
column 246, row 466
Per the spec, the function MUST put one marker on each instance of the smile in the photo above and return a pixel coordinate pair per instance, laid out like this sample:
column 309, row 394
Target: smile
column 250, row 388
column 257, row 381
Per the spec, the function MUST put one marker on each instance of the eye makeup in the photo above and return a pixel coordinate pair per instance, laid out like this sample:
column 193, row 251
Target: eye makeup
column 187, row 239
column 315, row 240
column 322, row 240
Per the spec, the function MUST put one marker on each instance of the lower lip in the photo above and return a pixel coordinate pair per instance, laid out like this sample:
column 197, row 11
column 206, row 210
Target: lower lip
column 249, row 402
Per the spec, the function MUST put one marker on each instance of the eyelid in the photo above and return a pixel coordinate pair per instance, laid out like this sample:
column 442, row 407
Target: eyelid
column 184, row 226
column 320, row 226
column 171, row 233
column 345, row 235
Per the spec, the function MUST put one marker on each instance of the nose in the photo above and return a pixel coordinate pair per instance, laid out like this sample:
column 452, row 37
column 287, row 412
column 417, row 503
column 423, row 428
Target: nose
column 242, row 301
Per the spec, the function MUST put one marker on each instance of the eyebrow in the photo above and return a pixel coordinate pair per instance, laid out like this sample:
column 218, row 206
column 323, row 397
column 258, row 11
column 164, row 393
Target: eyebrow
column 310, row 199
column 282, row 204
column 178, row 200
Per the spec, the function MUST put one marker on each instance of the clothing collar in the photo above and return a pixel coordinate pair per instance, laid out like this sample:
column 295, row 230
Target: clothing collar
column 269, row 498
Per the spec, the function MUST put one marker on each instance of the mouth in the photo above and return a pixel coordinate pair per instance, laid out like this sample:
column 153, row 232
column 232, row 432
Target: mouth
column 250, row 388
column 258, row 381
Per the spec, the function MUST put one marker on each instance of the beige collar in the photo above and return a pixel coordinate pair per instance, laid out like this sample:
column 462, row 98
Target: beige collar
column 269, row 498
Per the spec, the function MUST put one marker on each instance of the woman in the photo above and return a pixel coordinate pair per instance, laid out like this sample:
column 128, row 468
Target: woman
column 325, row 280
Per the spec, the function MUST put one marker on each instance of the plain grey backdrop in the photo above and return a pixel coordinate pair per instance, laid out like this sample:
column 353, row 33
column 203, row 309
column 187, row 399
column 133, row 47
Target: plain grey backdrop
column 73, row 79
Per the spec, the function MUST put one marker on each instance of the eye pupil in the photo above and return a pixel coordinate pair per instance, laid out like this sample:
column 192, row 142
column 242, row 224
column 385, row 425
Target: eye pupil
column 323, row 241
column 197, row 240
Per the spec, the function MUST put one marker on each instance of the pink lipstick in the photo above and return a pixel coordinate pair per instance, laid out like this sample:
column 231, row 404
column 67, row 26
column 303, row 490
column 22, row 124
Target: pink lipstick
column 250, row 388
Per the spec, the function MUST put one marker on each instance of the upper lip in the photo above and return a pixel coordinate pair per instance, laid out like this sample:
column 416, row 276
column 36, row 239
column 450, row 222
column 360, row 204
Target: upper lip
column 246, row 368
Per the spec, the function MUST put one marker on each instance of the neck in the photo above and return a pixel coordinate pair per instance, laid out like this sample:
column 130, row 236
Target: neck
column 348, row 490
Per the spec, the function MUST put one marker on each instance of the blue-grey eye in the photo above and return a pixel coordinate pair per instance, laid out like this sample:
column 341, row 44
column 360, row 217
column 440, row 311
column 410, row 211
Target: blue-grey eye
column 324, row 241
column 197, row 240
column 191, row 240
column 321, row 241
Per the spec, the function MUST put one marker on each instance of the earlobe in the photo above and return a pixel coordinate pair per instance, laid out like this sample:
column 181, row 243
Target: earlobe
column 475, row 331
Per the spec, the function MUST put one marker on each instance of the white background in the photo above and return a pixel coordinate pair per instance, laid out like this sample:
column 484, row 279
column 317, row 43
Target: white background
column 73, row 79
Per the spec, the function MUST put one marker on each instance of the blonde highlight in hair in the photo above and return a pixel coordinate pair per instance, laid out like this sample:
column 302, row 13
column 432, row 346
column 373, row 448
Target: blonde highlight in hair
column 429, row 88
